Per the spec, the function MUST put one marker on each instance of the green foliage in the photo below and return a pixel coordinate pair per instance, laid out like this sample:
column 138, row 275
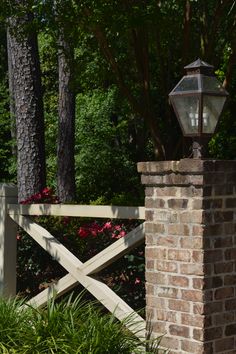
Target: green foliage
column 104, row 164
column 7, row 162
column 72, row 326
column 7, row 169
column 223, row 144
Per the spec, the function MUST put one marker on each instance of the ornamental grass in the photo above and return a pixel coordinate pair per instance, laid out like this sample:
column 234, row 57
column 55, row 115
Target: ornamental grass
column 71, row 326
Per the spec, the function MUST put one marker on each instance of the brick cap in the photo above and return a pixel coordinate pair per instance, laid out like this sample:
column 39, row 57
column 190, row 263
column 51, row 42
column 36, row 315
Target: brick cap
column 186, row 166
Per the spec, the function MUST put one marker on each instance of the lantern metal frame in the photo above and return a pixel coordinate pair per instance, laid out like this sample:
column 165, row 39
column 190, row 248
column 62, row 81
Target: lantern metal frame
column 198, row 70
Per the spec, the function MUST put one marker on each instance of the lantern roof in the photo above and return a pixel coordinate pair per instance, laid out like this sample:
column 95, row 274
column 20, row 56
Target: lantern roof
column 199, row 67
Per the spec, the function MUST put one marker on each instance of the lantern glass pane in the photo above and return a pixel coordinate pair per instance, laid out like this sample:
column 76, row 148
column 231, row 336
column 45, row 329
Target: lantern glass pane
column 188, row 83
column 187, row 108
column 212, row 108
column 210, row 83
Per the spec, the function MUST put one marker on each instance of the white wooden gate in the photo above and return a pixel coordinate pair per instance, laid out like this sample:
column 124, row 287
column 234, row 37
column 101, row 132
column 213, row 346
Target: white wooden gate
column 78, row 271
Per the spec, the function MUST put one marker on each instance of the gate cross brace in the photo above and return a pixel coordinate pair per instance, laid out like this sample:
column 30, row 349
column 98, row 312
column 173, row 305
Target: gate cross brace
column 79, row 272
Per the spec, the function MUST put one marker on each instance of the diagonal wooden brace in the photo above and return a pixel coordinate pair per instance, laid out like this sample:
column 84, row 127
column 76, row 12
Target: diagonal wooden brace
column 78, row 271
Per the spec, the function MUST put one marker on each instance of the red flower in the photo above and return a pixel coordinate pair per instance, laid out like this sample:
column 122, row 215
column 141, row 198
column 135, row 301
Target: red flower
column 83, row 232
column 107, row 225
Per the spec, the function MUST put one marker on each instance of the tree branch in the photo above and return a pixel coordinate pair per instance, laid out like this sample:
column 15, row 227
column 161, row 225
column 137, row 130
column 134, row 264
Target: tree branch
column 138, row 109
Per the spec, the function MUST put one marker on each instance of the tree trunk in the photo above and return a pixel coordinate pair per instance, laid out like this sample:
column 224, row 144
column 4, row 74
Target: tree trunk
column 66, row 125
column 23, row 45
column 12, row 94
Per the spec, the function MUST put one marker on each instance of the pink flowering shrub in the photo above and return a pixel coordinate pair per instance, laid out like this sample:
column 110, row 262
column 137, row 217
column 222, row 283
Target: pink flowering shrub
column 84, row 238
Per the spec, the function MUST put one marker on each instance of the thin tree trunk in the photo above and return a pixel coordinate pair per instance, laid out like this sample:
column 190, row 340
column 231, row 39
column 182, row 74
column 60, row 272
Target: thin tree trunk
column 23, row 46
column 66, row 128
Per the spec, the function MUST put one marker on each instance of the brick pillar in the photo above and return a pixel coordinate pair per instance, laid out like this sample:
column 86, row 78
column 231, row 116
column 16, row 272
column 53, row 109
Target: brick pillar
column 190, row 234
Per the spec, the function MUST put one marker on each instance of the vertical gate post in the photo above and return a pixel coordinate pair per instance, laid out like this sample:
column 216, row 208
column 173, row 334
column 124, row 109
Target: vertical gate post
column 190, row 233
column 8, row 231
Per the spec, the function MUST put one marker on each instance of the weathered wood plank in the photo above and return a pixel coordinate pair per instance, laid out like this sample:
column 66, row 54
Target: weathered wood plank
column 93, row 211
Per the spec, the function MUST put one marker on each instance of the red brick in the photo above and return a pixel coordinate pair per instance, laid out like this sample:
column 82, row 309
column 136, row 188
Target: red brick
column 170, row 342
column 198, row 283
column 213, row 333
column 169, row 316
column 213, row 256
column 230, row 279
column 213, row 307
column 223, row 293
column 166, row 291
column 198, row 230
column 223, row 242
column 198, row 256
column 166, row 191
column 166, row 266
column 149, row 191
column 191, row 217
column 178, row 229
column 230, row 305
column 178, row 281
column 224, row 267
column 231, row 203
column 192, row 295
column 149, row 215
column 207, row 283
column 199, row 308
column 191, row 269
column 223, row 216
column 156, row 278
column 230, row 330
column 198, row 334
column 230, row 228
column 149, row 264
column 179, row 255
column 155, row 253
column 150, row 289
column 192, row 320
column 153, row 301
column 159, row 228
column 154, row 203
column 159, row 327
column 191, row 242
column 180, row 331
column 214, row 178
column 224, row 344
column 197, row 204
column 192, row 347
column 223, row 318
column 177, row 203
column 179, row 305
column 230, row 254
column 214, row 230
column 168, row 241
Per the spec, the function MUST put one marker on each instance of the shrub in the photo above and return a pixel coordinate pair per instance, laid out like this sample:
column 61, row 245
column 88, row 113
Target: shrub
column 72, row 326
column 84, row 238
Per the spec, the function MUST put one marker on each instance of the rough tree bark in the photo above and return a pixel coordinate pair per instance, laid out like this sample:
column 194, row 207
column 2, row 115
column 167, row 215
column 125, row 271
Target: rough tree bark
column 12, row 94
column 31, row 172
column 66, row 124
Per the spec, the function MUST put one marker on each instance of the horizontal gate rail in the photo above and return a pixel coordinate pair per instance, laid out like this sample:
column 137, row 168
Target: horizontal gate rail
column 93, row 211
